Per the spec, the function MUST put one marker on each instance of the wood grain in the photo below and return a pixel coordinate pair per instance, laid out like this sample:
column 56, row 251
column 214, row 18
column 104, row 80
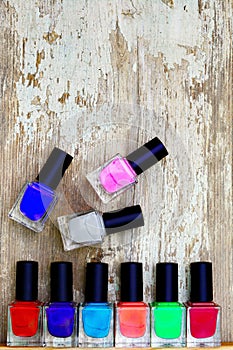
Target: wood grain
column 96, row 78
column 225, row 346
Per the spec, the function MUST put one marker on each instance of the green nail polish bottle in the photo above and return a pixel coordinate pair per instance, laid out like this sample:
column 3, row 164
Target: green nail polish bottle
column 168, row 316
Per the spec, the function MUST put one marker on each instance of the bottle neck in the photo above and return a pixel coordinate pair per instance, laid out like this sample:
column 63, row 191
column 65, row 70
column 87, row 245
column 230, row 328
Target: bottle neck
column 200, row 303
column 131, row 304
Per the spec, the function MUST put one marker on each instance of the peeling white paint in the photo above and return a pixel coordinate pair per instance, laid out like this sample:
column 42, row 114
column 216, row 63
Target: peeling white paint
column 80, row 50
column 172, row 31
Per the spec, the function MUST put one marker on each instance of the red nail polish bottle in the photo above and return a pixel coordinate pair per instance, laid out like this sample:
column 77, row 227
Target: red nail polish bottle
column 25, row 313
column 203, row 315
column 132, row 314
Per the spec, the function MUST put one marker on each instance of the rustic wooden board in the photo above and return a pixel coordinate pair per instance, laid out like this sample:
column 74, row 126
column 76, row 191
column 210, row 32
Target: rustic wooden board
column 99, row 77
column 226, row 346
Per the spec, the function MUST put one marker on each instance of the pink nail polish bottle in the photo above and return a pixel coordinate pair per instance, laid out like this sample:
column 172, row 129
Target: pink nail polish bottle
column 120, row 173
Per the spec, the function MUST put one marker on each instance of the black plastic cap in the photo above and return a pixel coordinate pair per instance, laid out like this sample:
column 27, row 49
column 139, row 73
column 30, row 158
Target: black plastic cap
column 124, row 219
column 147, row 155
column 26, row 281
column 166, row 282
column 55, row 167
column 61, row 281
column 96, row 290
column 131, row 282
column 201, row 282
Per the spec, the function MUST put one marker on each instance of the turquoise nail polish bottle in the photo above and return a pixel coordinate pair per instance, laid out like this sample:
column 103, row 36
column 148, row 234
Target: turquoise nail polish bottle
column 96, row 314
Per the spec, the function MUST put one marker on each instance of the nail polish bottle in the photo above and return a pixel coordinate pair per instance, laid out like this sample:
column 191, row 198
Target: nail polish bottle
column 37, row 199
column 132, row 316
column 203, row 315
column 90, row 228
column 60, row 314
column 25, row 313
column 96, row 314
column 120, row 173
column 168, row 316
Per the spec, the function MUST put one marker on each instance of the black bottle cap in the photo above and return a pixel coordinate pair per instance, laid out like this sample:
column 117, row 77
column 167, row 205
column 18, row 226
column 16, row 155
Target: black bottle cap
column 54, row 168
column 147, row 155
column 26, row 281
column 96, row 290
column 123, row 219
column 131, row 282
column 166, row 282
column 61, row 281
column 201, row 281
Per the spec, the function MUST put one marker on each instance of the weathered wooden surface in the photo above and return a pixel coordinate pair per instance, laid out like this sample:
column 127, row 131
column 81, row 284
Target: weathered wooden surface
column 100, row 77
column 225, row 346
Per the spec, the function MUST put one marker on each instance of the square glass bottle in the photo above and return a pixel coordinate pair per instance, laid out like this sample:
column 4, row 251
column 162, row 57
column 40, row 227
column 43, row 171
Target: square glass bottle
column 132, row 315
column 60, row 314
column 120, row 173
column 168, row 316
column 37, row 199
column 25, row 313
column 96, row 314
column 82, row 229
column 203, row 315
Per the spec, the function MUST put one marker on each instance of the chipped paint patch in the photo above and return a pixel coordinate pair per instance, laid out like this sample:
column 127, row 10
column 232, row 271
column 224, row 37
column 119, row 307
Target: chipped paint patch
column 64, row 97
column 169, row 3
column 53, row 52
column 51, row 37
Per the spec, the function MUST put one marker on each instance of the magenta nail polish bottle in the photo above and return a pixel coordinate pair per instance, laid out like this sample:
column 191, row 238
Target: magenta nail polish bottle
column 203, row 315
column 120, row 173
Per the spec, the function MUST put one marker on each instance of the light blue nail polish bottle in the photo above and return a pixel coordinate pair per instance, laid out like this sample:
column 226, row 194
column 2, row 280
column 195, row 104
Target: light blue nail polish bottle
column 96, row 314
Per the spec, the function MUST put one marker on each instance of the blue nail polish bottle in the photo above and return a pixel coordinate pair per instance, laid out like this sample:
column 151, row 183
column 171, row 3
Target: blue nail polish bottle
column 96, row 314
column 37, row 199
column 60, row 314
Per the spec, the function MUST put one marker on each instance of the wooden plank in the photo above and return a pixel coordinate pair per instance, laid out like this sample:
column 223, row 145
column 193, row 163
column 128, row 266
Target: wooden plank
column 225, row 346
column 97, row 78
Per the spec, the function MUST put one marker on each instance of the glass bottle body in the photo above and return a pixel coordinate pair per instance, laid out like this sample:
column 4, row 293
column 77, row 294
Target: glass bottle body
column 132, row 324
column 81, row 229
column 60, row 324
column 203, row 324
column 96, row 325
column 168, row 324
column 113, row 178
column 24, row 323
column 33, row 205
